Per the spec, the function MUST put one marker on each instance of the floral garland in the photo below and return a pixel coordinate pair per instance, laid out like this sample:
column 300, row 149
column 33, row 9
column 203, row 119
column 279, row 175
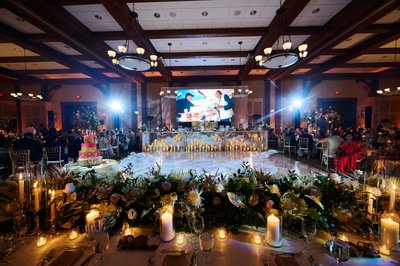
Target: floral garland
column 241, row 198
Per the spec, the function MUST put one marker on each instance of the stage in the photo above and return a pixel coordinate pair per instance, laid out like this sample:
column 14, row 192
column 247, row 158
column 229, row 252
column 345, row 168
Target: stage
column 224, row 162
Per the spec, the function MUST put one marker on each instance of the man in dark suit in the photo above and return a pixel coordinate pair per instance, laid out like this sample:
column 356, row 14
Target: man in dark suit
column 28, row 142
column 75, row 146
column 185, row 103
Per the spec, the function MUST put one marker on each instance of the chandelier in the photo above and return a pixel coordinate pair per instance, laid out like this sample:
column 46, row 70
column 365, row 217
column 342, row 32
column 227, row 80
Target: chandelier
column 281, row 58
column 391, row 91
column 134, row 62
column 170, row 95
column 240, row 93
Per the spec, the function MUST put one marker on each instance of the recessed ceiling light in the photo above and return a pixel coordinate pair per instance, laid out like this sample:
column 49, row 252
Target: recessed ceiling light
column 223, row 60
column 176, row 61
column 385, row 56
column 348, row 39
column 95, row 63
column 98, row 17
column 204, row 13
column 181, row 72
column 20, row 19
column 172, row 14
column 204, row 60
column 236, row 13
column 253, row 12
column 228, row 71
column 67, row 46
column 157, row 15
column 232, row 59
column 34, row 64
column 315, row 11
column 204, row 43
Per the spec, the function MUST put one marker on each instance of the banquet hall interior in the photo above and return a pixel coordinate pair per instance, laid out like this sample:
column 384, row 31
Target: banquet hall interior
column 199, row 132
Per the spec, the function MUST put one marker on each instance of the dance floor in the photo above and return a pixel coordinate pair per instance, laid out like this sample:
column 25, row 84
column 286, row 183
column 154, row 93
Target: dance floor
column 212, row 162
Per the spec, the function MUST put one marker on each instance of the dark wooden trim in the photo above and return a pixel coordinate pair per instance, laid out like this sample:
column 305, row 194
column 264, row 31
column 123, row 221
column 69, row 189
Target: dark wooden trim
column 278, row 106
column 267, row 100
column 143, row 94
column 134, row 107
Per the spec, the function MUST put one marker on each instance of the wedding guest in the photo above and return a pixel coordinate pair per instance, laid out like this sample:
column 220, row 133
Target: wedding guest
column 75, row 145
column 104, row 143
column 347, row 154
column 28, row 142
column 333, row 143
column 305, row 134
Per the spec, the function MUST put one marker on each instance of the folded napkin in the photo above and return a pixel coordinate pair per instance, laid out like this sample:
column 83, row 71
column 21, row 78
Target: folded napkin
column 176, row 260
column 286, row 260
column 67, row 258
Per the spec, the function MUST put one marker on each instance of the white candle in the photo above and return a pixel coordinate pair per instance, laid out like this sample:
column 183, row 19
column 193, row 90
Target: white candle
column 90, row 221
column 221, row 233
column 257, row 239
column 392, row 198
column 36, row 195
column 370, row 204
column 53, row 205
column 73, row 234
column 389, row 233
column 167, row 227
column 21, row 187
column 273, row 236
column 180, row 239
column 41, row 241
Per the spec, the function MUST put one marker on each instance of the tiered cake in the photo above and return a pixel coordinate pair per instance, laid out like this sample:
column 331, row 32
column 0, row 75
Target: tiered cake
column 89, row 155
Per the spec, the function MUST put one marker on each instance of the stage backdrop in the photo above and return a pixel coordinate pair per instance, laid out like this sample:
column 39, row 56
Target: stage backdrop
column 205, row 105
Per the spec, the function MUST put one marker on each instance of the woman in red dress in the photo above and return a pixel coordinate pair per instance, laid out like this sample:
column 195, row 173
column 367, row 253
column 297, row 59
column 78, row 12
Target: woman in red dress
column 347, row 155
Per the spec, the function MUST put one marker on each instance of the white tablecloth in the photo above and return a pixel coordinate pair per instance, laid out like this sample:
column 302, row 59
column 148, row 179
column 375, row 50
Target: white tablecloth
column 235, row 250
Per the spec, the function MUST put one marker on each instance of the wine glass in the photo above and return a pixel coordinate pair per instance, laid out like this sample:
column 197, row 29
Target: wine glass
column 206, row 242
column 339, row 249
column 309, row 229
column 21, row 225
column 197, row 225
column 287, row 219
column 101, row 243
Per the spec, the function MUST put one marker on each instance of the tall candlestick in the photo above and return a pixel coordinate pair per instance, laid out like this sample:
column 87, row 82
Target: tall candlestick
column 53, row 205
column 389, row 233
column 167, row 226
column 36, row 196
column 370, row 204
column 392, row 198
column 21, row 186
column 274, row 234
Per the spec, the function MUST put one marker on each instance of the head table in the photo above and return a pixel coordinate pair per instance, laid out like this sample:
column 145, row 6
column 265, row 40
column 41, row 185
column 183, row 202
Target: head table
column 236, row 249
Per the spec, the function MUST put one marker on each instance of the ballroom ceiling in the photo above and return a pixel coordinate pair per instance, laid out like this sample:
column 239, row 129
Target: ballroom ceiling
column 66, row 42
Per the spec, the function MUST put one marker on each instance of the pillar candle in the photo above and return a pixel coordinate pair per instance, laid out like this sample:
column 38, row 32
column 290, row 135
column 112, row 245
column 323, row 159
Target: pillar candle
column 36, row 196
column 21, row 187
column 167, row 226
column 90, row 222
column 392, row 198
column 273, row 236
column 370, row 204
column 389, row 233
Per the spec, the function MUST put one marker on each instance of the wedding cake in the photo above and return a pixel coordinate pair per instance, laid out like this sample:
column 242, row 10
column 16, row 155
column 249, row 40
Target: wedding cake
column 89, row 155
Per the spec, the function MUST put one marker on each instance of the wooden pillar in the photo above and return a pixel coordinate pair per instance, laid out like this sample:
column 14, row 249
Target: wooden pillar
column 134, row 107
column 267, row 101
column 278, row 106
column 143, row 95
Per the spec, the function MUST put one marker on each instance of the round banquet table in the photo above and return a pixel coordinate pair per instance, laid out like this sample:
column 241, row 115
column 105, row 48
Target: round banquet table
column 235, row 250
column 108, row 168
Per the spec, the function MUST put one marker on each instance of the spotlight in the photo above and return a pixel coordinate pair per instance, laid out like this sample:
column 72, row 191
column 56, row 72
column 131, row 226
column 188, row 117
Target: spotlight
column 136, row 112
column 297, row 103
column 116, row 106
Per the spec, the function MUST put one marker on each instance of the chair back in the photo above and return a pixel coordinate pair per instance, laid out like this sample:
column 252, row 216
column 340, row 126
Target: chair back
column 325, row 149
column 53, row 153
column 303, row 143
column 19, row 159
column 287, row 142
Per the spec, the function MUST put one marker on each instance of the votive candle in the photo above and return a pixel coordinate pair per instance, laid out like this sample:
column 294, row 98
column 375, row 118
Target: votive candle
column 73, row 234
column 384, row 250
column 221, row 233
column 257, row 239
column 41, row 241
column 180, row 239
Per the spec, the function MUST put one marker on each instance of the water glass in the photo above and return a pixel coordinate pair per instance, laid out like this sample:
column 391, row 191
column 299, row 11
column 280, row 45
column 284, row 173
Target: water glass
column 339, row 249
column 206, row 242
column 101, row 243
column 309, row 229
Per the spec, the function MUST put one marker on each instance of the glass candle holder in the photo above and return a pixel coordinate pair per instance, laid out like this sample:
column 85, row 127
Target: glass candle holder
column 257, row 239
column 222, row 233
column 180, row 238
column 73, row 234
column 41, row 241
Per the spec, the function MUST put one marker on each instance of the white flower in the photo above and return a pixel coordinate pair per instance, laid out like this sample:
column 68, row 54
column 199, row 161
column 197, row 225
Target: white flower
column 274, row 189
column 336, row 178
column 351, row 183
column 297, row 183
column 219, row 188
column 194, row 197
column 132, row 214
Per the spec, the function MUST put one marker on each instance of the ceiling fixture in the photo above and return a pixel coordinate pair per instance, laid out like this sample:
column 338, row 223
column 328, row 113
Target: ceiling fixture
column 240, row 93
column 169, row 95
column 30, row 96
column 131, row 61
column 280, row 59
column 391, row 91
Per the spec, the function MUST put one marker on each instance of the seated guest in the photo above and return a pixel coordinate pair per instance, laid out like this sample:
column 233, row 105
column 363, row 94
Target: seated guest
column 75, row 145
column 333, row 143
column 292, row 137
column 347, row 154
column 104, row 143
column 308, row 136
column 28, row 142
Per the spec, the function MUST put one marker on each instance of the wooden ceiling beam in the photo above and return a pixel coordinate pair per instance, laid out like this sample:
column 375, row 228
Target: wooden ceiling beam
column 364, row 48
column 57, row 21
column 340, row 27
column 292, row 10
column 122, row 14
